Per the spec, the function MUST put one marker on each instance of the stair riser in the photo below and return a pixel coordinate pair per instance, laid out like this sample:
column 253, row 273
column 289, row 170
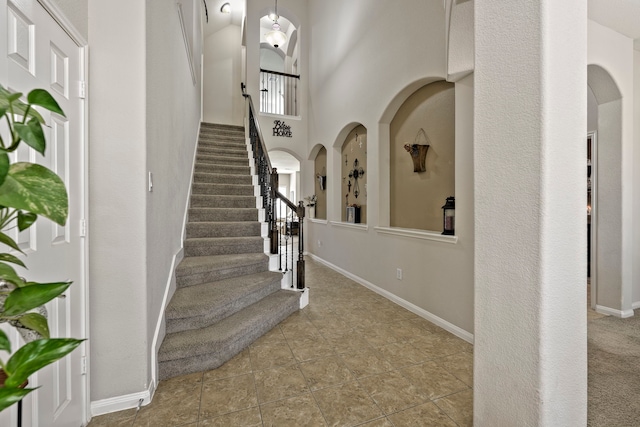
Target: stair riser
column 222, row 169
column 221, row 229
column 199, row 248
column 223, row 151
column 216, row 215
column 220, row 351
column 190, row 323
column 222, row 189
column 222, row 142
column 228, row 202
column 222, row 160
column 217, row 178
column 219, row 274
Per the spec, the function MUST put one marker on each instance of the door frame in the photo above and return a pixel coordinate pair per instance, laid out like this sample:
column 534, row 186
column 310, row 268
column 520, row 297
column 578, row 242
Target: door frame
column 593, row 137
column 83, row 46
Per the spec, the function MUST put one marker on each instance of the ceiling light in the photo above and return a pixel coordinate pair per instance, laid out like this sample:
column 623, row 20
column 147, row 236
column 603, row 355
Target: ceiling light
column 226, row 8
column 276, row 37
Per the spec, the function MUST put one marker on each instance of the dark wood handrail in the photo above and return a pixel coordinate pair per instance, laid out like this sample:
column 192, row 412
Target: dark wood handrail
column 257, row 124
column 280, row 73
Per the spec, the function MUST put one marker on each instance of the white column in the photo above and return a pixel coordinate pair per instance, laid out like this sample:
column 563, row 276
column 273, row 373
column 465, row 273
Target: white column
column 530, row 364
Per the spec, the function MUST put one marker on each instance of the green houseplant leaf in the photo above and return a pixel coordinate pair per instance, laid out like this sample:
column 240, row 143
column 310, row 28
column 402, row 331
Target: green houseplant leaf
column 32, row 134
column 4, row 166
column 27, row 298
column 5, row 344
column 26, row 220
column 44, row 99
column 36, row 322
column 9, row 274
column 36, row 355
column 9, row 396
column 12, row 259
column 9, row 242
column 36, row 189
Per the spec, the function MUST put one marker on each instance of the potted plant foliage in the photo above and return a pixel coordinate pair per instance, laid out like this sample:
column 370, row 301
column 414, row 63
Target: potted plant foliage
column 27, row 190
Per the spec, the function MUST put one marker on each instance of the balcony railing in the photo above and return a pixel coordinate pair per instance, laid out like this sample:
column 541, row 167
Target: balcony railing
column 285, row 218
column 278, row 93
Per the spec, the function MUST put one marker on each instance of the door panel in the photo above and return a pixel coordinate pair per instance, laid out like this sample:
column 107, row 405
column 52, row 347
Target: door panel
column 39, row 53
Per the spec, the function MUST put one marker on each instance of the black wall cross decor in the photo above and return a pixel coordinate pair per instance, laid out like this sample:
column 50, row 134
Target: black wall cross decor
column 280, row 129
column 356, row 173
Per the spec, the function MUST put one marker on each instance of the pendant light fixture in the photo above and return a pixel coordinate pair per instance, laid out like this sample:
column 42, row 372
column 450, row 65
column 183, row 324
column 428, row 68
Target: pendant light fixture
column 276, row 37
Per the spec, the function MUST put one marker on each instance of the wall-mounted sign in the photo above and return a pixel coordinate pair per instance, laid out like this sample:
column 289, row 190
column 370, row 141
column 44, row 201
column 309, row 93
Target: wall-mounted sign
column 280, row 129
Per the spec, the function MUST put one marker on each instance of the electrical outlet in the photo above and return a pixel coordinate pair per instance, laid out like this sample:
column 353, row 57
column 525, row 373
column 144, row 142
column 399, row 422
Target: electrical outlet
column 399, row 273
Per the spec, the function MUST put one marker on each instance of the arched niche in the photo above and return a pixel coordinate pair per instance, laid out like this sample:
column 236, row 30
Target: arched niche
column 287, row 164
column 319, row 157
column 426, row 117
column 606, row 214
column 353, row 173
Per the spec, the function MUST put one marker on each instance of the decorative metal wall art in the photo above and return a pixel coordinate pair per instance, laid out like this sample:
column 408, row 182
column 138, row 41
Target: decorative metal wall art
column 356, row 173
column 418, row 151
column 281, row 129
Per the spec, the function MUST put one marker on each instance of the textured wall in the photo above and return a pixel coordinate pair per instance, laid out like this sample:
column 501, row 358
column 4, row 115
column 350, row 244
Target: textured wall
column 530, row 360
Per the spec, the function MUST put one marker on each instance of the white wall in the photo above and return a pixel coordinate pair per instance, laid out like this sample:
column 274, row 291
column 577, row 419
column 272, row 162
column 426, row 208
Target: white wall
column 614, row 53
column 363, row 75
column 145, row 111
column 296, row 12
column 172, row 120
column 636, row 176
column 222, row 98
column 77, row 11
column 117, row 199
column 530, row 352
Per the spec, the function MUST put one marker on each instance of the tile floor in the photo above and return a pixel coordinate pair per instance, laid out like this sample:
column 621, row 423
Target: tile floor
column 351, row 358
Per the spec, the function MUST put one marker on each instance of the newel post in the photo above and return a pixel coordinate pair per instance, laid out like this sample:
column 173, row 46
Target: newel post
column 273, row 225
column 300, row 279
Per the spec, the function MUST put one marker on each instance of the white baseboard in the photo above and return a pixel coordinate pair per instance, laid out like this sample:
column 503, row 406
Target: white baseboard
column 635, row 305
column 120, row 403
column 623, row 314
column 455, row 330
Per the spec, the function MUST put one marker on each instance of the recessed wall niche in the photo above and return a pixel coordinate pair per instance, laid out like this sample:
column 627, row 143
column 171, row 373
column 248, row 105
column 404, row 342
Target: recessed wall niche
column 416, row 198
column 320, row 174
column 354, row 174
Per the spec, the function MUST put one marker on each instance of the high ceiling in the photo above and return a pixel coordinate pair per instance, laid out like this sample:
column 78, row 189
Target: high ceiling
column 219, row 20
column 622, row 16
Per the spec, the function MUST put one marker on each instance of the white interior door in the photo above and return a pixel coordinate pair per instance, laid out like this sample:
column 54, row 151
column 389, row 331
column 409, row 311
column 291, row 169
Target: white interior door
column 40, row 54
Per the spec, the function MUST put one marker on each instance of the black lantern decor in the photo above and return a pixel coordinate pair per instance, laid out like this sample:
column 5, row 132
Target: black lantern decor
column 449, row 216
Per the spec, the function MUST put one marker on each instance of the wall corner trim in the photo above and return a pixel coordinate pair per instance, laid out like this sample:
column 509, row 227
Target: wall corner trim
column 623, row 314
column 120, row 403
column 450, row 327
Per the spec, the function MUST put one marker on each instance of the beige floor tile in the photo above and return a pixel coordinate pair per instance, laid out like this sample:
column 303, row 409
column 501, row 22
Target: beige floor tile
column 460, row 365
column 392, row 392
column 247, row 418
column 272, row 337
column 425, row 415
column 115, row 419
column 380, row 422
column 437, row 345
column 309, row 349
column 346, row 405
column 401, row 354
column 293, row 412
column 175, row 402
column 433, row 380
column 348, row 342
column 280, row 383
column 239, row 365
column 366, row 363
column 459, row 407
column 378, row 336
column 269, row 355
column 327, row 372
column 228, row 395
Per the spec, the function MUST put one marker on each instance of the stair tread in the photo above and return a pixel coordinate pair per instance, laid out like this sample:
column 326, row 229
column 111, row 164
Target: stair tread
column 200, row 299
column 211, row 338
column 200, row 264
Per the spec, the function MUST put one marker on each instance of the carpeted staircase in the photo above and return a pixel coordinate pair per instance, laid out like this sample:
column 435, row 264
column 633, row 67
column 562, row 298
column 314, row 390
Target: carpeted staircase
column 226, row 297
